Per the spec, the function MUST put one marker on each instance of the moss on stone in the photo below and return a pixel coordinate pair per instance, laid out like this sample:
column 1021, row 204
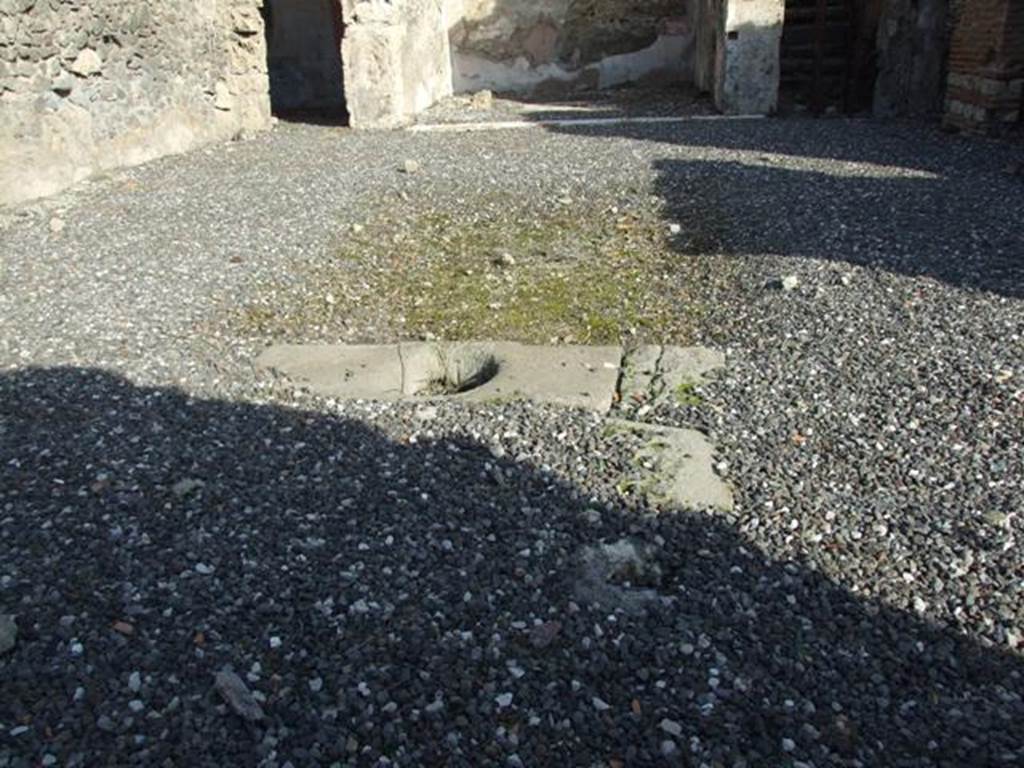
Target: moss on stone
column 686, row 394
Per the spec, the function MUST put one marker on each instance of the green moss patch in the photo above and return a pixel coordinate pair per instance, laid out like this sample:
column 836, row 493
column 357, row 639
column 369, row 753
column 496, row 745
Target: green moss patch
column 591, row 273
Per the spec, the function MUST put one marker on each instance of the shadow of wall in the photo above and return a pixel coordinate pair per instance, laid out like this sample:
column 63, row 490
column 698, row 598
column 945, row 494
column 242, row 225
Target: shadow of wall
column 399, row 569
column 888, row 203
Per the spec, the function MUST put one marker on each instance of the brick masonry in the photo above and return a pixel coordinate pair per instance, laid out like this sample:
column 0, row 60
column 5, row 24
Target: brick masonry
column 985, row 86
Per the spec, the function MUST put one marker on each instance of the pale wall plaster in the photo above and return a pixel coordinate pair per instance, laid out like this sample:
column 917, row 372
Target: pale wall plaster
column 396, row 59
column 747, row 56
column 561, row 45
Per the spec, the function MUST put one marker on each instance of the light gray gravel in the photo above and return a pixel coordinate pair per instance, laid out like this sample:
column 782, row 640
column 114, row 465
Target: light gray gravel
column 632, row 101
column 165, row 515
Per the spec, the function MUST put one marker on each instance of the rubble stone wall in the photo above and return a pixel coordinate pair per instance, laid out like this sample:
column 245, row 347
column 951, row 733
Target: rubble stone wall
column 87, row 85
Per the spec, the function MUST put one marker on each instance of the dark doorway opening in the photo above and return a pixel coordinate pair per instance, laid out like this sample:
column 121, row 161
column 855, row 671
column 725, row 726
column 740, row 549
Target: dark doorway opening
column 828, row 55
column 304, row 59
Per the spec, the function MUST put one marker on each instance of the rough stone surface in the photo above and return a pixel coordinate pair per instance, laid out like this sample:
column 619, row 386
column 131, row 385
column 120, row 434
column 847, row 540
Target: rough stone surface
column 237, row 694
column 396, row 60
column 912, row 47
column 86, row 63
column 652, row 373
column 91, row 86
column 618, row 576
column 547, row 47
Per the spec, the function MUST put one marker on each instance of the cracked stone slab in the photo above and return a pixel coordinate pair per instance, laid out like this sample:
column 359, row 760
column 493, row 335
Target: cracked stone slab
column 674, row 467
column 580, row 376
column 651, row 373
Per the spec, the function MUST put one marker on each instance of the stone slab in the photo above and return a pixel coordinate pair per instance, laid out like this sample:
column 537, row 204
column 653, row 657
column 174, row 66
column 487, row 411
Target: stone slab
column 577, row 376
column 675, row 468
column 652, row 373
column 364, row 372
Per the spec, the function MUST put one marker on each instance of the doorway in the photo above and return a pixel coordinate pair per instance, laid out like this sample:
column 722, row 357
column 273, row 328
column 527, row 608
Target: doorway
column 304, row 59
column 828, row 55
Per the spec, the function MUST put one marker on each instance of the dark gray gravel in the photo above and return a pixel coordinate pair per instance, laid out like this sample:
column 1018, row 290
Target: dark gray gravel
column 397, row 586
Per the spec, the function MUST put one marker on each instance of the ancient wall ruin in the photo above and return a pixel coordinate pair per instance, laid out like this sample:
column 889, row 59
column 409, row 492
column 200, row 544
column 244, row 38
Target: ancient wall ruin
column 89, row 85
column 396, row 59
column 746, row 50
column 985, row 90
column 554, row 46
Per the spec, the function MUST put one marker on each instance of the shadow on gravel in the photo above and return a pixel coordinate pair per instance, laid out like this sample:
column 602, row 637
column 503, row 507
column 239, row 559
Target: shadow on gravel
column 906, row 199
column 402, row 582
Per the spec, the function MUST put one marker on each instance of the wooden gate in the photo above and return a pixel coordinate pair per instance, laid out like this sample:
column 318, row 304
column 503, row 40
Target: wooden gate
column 827, row 56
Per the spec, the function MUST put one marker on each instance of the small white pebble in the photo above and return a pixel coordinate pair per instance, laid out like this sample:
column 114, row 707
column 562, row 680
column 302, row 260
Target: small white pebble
column 435, row 706
column 671, row 727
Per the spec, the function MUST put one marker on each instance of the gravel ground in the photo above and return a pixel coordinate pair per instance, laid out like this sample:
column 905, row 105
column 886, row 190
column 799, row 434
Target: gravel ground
column 403, row 585
column 617, row 102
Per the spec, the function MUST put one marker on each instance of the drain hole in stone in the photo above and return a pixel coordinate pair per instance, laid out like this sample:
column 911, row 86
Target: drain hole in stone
column 460, row 371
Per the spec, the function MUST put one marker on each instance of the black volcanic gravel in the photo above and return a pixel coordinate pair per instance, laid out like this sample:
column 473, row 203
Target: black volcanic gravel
column 396, row 585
